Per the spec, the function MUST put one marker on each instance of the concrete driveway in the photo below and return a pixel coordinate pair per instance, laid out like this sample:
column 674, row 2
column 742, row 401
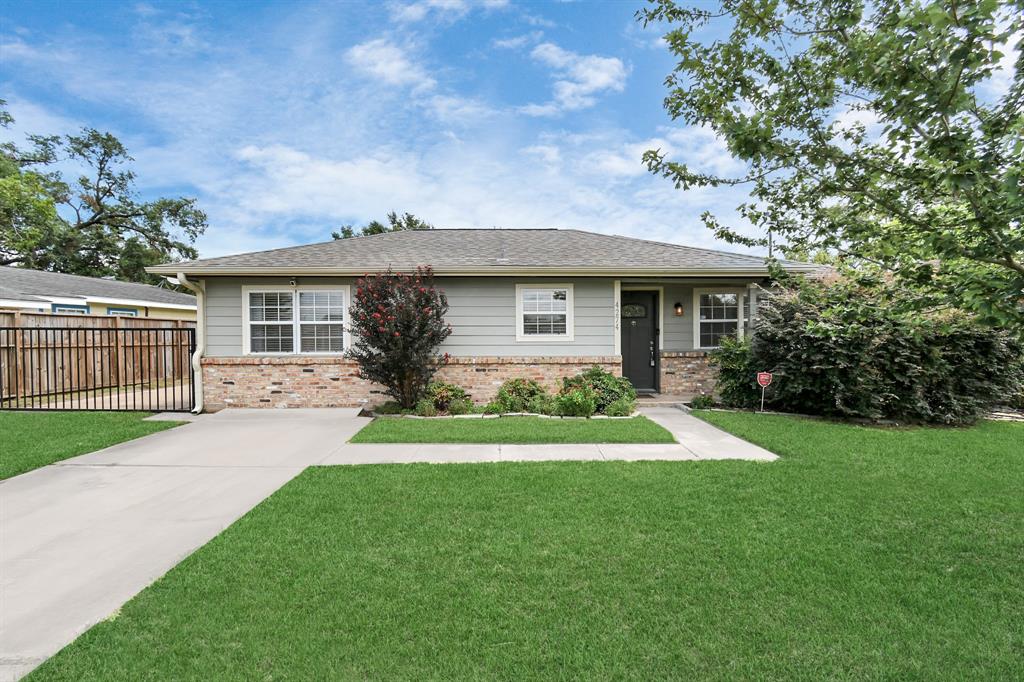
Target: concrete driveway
column 80, row 538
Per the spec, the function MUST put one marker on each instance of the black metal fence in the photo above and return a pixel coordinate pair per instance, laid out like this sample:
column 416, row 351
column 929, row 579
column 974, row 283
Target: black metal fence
column 96, row 368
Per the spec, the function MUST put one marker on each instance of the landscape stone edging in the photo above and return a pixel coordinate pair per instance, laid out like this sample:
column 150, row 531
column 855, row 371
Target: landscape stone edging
column 497, row 416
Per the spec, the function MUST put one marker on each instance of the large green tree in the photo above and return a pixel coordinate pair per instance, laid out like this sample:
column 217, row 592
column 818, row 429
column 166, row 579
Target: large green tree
column 95, row 225
column 395, row 223
column 889, row 131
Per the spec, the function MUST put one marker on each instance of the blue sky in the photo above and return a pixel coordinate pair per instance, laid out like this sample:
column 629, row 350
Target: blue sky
column 287, row 120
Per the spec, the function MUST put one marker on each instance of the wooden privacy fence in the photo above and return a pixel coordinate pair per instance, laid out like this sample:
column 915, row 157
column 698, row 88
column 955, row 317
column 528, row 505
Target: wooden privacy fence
column 95, row 363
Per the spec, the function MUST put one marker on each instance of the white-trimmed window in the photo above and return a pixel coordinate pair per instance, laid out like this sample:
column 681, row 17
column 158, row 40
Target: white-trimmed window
column 307, row 320
column 70, row 309
column 719, row 314
column 544, row 311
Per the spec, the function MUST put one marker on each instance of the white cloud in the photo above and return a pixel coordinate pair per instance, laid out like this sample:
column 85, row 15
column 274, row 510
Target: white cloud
column 548, row 153
column 452, row 108
column 446, row 10
column 517, row 42
column 579, row 78
column 389, row 63
column 282, row 146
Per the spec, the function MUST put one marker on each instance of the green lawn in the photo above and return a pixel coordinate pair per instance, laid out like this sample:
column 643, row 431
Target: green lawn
column 512, row 430
column 861, row 554
column 29, row 440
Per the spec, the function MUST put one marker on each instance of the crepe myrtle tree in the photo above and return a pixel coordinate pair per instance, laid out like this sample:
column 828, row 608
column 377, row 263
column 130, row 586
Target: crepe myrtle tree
column 397, row 323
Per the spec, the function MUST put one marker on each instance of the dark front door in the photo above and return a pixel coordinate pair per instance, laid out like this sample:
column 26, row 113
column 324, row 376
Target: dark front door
column 640, row 339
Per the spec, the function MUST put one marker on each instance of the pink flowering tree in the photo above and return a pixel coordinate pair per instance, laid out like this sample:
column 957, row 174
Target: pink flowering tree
column 397, row 324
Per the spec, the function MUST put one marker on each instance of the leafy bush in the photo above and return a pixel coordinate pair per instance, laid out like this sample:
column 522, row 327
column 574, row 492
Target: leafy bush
column 623, row 407
column 444, row 395
column 398, row 323
column 515, row 394
column 425, row 408
column 737, row 374
column 462, row 406
column 541, row 404
column 493, row 407
column 576, row 401
column 702, row 402
column 607, row 387
column 858, row 348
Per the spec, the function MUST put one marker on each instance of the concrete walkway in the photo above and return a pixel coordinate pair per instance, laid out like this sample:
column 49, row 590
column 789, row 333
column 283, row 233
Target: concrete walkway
column 81, row 537
column 698, row 440
column 704, row 440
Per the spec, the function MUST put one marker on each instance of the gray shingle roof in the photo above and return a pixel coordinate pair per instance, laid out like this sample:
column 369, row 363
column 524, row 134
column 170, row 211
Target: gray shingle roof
column 27, row 285
column 481, row 250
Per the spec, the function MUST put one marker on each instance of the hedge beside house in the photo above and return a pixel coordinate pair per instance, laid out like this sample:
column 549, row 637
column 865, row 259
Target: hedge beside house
column 858, row 349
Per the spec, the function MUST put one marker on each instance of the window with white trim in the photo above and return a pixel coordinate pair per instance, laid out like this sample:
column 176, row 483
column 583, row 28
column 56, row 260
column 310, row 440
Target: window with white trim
column 302, row 321
column 70, row 309
column 718, row 317
column 544, row 311
column 321, row 318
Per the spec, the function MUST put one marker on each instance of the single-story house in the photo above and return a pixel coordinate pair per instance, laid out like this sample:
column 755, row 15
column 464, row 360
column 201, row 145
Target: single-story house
column 35, row 291
column 537, row 303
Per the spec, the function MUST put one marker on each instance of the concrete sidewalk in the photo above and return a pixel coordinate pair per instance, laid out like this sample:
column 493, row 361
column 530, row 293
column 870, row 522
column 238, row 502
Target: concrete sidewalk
column 81, row 537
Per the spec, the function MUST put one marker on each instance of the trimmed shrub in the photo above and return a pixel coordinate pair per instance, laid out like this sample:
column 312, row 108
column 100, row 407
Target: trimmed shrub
column 607, row 387
column 541, row 404
column 515, row 394
column 623, row 407
column 576, row 401
column 425, row 408
column 444, row 395
column 857, row 348
column 493, row 407
column 702, row 402
column 463, row 406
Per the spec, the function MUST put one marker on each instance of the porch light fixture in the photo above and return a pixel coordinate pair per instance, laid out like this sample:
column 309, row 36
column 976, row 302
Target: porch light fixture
column 679, row 309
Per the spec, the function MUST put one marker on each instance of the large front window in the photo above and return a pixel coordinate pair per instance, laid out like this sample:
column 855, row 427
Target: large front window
column 544, row 312
column 303, row 321
column 718, row 317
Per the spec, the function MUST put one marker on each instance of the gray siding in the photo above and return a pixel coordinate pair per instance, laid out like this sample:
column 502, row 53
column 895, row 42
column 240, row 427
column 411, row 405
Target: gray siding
column 482, row 314
column 483, row 317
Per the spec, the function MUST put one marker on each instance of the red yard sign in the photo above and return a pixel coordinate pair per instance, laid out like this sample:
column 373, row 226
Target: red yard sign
column 764, row 379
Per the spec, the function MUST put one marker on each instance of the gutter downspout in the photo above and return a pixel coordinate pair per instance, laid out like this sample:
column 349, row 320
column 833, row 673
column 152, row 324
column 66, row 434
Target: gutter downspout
column 199, row 289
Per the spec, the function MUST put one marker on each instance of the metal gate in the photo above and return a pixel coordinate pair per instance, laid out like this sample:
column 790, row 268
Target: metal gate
column 96, row 368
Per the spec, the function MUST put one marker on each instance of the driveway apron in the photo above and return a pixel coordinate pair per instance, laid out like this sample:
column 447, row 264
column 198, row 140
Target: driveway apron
column 81, row 537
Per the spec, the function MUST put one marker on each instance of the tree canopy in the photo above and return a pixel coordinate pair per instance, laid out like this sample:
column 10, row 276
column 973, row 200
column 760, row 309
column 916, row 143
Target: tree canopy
column 396, row 223
column 888, row 132
column 95, row 225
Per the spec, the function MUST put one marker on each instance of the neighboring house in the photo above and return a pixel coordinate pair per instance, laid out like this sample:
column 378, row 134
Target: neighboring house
column 542, row 304
column 34, row 291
